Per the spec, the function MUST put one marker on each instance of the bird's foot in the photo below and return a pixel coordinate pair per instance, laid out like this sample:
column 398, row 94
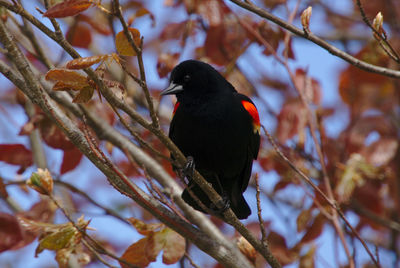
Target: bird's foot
column 221, row 206
column 188, row 169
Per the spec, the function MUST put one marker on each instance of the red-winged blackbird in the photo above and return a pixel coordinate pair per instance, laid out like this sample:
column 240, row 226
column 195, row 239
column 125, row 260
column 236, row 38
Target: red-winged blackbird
column 219, row 128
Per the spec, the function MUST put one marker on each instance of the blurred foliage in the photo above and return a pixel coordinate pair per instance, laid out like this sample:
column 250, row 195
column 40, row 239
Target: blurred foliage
column 362, row 161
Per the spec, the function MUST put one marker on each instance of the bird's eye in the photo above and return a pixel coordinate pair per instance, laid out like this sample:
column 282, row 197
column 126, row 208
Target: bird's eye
column 186, row 78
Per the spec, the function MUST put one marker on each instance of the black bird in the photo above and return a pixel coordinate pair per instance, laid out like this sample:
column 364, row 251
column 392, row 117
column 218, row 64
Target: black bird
column 219, row 128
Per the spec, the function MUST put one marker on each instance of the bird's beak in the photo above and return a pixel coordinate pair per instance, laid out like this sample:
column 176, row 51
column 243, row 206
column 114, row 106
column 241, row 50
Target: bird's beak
column 172, row 89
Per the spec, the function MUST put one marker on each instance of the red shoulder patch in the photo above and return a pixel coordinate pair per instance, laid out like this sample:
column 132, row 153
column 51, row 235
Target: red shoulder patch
column 252, row 110
column 175, row 107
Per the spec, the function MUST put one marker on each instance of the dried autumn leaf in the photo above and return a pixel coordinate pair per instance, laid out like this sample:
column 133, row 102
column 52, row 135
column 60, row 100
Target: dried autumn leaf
column 84, row 95
column 315, row 229
column 79, row 35
column 213, row 11
column 292, row 120
column 307, row 260
column 96, row 23
column 10, row 231
column 174, row 246
column 122, row 44
column 166, row 62
column 71, row 160
column 41, row 181
column 354, row 175
column 70, row 78
column 308, row 86
column 142, row 12
column 381, row 151
column 68, row 8
column 82, row 63
column 136, row 254
column 303, row 220
column 16, row 154
column 145, row 228
column 53, row 136
column 280, row 250
column 3, row 189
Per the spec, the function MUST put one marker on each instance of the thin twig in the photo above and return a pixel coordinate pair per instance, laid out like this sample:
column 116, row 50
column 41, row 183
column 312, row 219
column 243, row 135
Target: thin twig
column 315, row 39
column 138, row 50
column 382, row 38
column 323, row 195
column 260, row 219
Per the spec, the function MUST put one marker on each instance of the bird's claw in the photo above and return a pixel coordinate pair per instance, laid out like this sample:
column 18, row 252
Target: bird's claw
column 188, row 169
column 221, row 206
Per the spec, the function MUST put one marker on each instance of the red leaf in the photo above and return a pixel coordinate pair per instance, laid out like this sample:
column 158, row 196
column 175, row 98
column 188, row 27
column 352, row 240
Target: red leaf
column 71, row 160
column 10, row 231
column 212, row 11
column 291, row 120
column 97, row 25
column 53, row 136
column 3, row 189
column 309, row 87
column 16, row 154
column 166, row 62
column 280, row 250
column 79, row 36
column 315, row 229
column 173, row 30
column 68, row 8
column 382, row 151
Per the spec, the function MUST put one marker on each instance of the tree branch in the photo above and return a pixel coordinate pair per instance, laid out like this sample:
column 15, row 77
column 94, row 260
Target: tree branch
column 315, row 39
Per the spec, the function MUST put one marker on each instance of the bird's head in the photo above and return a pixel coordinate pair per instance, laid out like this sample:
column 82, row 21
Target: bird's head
column 195, row 79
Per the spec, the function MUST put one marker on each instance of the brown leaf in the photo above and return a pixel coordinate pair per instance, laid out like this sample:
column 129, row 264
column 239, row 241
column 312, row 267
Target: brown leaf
column 136, row 254
column 307, row 260
column 280, row 250
column 98, row 25
column 303, row 220
column 315, row 229
column 272, row 35
column 16, row 154
column 3, row 189
column 174, row 31
column 10, row 231
column 174, row 246
column 68, row 78
column 53, row 136
column 79, row 35
column 292, row 119
column 145, row 228
column 363, row 90
column 82, row 63
column 68, row 8
column 382, row 151
column 84, row 95
column 213, row 11
column 309, row 87
column 122, row 44
column 224, row 42
column 166, row 62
